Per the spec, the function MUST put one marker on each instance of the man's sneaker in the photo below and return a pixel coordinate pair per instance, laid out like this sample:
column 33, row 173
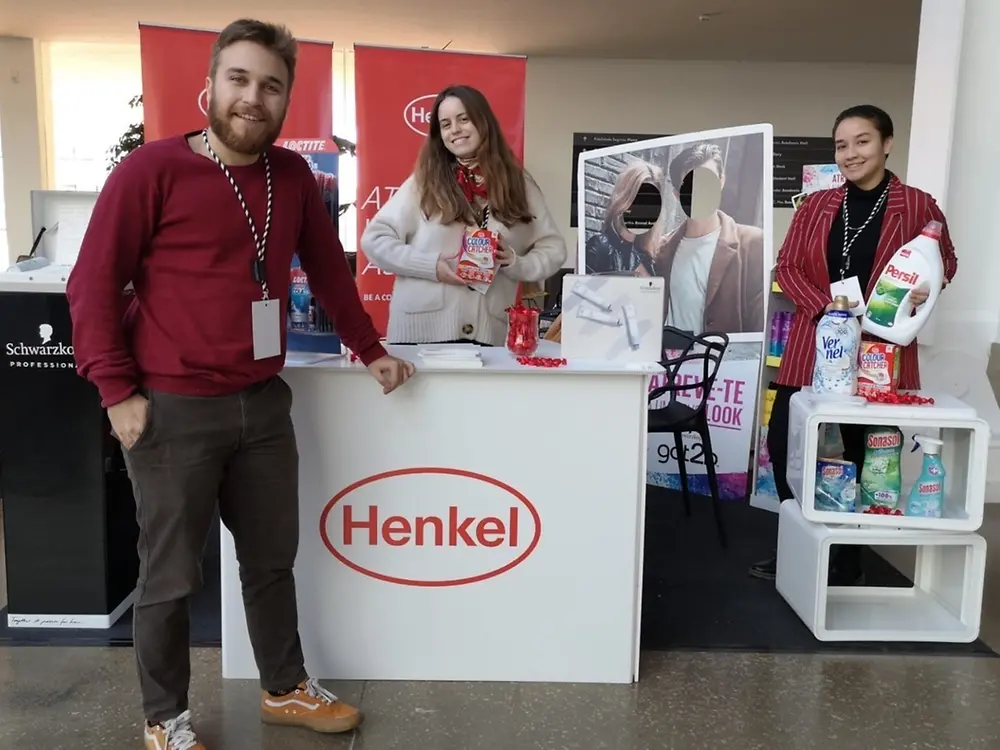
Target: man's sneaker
column 175, row 734
column 310, row 706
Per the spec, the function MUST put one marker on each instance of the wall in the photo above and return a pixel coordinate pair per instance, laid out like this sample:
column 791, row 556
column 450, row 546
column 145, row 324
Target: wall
column 567, row 95
column 23, row 165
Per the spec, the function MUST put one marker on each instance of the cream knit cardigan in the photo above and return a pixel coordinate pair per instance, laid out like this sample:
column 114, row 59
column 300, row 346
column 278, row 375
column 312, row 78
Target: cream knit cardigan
column 400, row 240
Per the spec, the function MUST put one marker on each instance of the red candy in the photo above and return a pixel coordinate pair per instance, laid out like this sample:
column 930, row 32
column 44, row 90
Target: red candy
column 899, row 399
column 541, row 361
column 522, row 330
column 882, row 510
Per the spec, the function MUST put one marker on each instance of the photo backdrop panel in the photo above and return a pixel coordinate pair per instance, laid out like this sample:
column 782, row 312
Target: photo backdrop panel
column 694, row 209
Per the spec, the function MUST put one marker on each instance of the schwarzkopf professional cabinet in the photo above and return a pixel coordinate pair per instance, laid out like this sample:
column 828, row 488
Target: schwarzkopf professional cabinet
column 68, row 512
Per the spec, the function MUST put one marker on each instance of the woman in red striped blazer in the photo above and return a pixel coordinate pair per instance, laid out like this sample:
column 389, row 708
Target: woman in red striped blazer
column 851, row 231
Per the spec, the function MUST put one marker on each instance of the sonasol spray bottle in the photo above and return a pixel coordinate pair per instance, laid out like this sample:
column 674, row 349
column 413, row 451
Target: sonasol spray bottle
column 927, row 494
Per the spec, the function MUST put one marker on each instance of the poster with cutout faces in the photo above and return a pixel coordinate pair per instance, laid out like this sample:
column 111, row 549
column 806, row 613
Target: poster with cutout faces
column 711, row 243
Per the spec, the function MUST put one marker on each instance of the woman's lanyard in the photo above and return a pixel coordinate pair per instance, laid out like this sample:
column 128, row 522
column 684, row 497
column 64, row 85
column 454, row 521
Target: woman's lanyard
column 257, row 269
column 845, row 260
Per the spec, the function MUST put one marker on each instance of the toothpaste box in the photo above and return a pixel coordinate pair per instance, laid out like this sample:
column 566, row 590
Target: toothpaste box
column 836, row 485
column 878, row 368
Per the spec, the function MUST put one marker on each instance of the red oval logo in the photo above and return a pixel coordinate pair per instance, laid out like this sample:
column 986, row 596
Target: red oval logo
column 431, row 526
column 417, row 114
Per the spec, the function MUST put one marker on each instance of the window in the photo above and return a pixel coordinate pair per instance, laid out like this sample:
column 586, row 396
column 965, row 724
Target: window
column 345, row 126
column 88, row 78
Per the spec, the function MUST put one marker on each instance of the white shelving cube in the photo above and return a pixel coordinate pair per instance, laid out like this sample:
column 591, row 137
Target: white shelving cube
column 943, row 606
column 964, row 455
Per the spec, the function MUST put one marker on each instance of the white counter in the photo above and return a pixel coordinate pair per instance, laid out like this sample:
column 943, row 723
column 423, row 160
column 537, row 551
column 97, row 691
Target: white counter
column 477, row 524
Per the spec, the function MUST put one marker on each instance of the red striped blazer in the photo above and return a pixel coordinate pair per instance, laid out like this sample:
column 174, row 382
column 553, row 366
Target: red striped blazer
column 802, row 273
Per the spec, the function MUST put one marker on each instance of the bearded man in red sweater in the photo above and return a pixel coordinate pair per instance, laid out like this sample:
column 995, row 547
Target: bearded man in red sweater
column 204, row 226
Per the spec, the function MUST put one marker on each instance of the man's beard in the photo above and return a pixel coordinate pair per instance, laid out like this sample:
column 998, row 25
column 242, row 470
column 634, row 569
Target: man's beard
column 244, row 144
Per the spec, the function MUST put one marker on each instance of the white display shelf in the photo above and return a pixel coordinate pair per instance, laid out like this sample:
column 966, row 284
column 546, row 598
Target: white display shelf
column 943, row 606
column 964, row 455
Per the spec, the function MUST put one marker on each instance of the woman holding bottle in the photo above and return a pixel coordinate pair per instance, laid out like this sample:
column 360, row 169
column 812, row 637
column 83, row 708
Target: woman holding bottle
column 466, row 178
column 837, row 235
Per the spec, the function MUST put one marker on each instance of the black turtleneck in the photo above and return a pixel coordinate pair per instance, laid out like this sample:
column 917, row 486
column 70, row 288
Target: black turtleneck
column 860, row 204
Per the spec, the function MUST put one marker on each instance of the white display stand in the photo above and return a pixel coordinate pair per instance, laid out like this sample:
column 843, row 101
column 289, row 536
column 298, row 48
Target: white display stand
column 943, row 605
column 966, row 447
column 544, row 584
column 613, row 318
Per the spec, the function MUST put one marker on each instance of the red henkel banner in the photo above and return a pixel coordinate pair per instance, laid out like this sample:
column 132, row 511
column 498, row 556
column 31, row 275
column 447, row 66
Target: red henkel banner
column 174, row 68
column 394, row 92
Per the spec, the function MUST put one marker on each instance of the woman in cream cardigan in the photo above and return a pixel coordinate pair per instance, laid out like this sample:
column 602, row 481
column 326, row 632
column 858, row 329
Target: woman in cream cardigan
column 465, row 172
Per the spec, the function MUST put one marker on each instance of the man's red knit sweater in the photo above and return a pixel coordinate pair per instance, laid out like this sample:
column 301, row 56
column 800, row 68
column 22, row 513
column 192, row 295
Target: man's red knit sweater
column 168, row 221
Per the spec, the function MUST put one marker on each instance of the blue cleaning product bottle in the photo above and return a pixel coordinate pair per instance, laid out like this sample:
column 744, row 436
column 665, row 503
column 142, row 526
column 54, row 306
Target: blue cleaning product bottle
column 927, row 494
column 299, row 297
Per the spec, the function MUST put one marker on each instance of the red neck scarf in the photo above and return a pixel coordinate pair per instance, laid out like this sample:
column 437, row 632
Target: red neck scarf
column 471, row 183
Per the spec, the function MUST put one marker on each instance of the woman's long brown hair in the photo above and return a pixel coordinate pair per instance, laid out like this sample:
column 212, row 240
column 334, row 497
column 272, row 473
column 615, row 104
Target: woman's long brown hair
column 440, row 195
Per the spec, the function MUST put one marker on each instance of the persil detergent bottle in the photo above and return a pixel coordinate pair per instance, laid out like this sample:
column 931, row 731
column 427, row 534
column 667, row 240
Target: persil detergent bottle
column 838, row 338
column 916, row 264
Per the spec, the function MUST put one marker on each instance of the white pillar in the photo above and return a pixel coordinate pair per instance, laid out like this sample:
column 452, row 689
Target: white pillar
column 935, row 95
column 969, row 312
column 24, row 159
column 955, row 155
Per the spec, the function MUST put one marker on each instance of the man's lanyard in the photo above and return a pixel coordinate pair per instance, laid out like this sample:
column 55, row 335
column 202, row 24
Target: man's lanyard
column 258, row 269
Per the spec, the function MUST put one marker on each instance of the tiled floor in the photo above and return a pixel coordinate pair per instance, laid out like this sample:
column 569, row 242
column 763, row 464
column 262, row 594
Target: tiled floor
column 87, row 698
column 56, row 699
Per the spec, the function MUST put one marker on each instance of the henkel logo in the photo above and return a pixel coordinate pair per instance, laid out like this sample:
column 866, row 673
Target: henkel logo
column 904, row 276
column 417, row 114
column 430, row 526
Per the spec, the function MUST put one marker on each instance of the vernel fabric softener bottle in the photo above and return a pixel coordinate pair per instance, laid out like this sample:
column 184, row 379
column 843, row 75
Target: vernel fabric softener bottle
column 838, row 337
column 927, row 494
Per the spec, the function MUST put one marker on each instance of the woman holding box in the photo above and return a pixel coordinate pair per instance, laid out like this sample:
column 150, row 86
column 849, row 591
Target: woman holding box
column 467, row 193
column 836, row 235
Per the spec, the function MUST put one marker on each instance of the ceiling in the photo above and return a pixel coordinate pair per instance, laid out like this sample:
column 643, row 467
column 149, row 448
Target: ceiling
column 775, row 30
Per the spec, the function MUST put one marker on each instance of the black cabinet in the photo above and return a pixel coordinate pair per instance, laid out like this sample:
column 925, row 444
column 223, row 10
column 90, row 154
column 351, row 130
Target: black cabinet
column 68, row 512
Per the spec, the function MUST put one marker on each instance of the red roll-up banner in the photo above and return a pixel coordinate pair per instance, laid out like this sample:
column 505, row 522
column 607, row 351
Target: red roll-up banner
column 394, row 92
column 174, row 68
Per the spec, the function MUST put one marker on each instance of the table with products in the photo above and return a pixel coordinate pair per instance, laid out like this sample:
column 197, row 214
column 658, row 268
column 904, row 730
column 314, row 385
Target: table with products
column 480, row 523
